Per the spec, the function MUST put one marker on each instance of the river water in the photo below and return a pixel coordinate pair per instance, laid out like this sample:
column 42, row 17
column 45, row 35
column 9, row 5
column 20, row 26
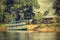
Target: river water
column 25, row 35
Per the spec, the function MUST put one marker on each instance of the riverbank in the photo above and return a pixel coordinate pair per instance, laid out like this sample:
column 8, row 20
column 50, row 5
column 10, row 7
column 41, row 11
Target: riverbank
column 34, row 27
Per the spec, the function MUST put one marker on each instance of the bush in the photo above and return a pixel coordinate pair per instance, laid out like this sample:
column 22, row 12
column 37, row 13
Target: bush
column 58, row 25
column 6, row 18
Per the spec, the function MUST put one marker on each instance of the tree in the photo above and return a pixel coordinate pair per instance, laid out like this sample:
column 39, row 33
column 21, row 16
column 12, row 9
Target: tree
column 16, row 6
column 27, row 7
column 5, row 17
column 1, row 11
column 56, row 6
column 38, row 16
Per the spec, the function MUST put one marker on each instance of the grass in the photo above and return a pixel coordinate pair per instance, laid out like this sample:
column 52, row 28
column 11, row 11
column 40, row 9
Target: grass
column 43, row 28
column 3, row 27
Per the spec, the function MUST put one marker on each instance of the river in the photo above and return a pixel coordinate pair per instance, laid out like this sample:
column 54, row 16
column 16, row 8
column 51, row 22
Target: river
column 26, row 35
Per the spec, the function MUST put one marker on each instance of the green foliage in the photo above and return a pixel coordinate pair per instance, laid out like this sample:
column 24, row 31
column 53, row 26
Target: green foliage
column 56, row 6
column 58, row 25
column 33, row 3
column 38, row 16
column 9, row 18
column 17, row 4
column 54, row 20
column 26, row 3
column 5, row 17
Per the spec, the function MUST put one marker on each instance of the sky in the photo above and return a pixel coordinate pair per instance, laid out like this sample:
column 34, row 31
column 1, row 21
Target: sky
column 46, row 5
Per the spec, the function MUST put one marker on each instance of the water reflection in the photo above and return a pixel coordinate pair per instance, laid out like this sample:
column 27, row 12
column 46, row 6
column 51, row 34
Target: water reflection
column 58, row 36
column 29, row 35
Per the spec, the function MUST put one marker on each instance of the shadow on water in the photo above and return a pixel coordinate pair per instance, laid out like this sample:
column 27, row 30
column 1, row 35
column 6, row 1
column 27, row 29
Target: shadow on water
column 58, row 36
